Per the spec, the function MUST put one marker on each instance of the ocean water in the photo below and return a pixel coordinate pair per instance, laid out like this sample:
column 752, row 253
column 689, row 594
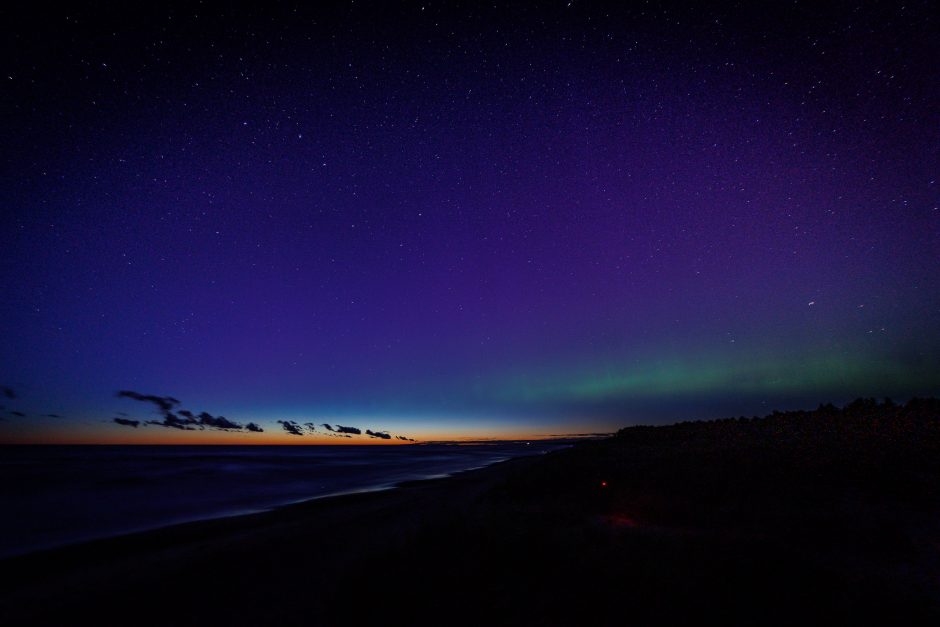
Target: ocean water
column 57, row 495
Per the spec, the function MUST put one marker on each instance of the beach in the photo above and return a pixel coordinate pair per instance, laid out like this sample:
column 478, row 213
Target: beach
column 278, row 567
column 64, row 495
column 780, row 521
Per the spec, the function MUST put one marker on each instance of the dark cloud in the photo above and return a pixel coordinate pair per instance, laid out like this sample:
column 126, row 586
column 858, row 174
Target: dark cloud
column 378, row 434
column 217, row 422
column 173, row 421
column 18, row 413
column 310, row 427
column 291, row 427
column 401, row 437
column 184, row 419
column 163, row 403
column 53, row 416
column 188, row 421
column 126, row 422
column 8, row 392
column 339, row 431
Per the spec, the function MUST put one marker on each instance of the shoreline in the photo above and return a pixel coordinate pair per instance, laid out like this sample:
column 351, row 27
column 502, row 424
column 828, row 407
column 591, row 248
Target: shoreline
column 169, row 528
column 126, row 494
column 99, row 563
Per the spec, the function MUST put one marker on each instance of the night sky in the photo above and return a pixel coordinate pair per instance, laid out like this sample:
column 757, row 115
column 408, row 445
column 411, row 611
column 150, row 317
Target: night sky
column 461, row 220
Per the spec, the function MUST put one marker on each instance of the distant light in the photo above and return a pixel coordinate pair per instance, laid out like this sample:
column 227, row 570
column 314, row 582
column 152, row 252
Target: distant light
column 603, row 484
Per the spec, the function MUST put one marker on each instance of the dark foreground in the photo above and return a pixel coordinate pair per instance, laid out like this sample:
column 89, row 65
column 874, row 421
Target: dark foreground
column 828, row 517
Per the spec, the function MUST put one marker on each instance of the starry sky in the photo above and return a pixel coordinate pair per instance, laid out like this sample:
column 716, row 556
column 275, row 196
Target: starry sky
column 462, row 220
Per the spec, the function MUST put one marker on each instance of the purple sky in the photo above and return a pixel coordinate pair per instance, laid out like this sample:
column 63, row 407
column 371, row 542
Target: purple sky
column 461, row 218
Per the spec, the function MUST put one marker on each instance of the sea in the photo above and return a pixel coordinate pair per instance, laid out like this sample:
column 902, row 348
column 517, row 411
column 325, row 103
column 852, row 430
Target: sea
column 52, row 496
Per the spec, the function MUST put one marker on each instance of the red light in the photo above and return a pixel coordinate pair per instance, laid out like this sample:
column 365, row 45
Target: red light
column 603, row 484
column 619, row 520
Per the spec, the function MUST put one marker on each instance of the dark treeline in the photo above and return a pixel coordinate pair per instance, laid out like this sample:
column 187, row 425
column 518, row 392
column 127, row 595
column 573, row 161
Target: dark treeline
column 858, row 418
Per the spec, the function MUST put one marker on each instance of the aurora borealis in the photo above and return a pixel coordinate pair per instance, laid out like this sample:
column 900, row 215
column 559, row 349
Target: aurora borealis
column 458, row 220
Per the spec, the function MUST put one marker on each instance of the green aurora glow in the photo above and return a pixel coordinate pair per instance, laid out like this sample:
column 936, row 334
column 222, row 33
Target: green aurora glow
column 820, row 375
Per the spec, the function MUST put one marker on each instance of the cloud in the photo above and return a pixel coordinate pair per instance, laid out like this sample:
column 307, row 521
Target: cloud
column 346, row 432
column 53, row 416
column 217, row 422
column 184, row 419
column 339, row 431
column 18, row 413
column 126, row 422
column 291, row 427
column 173, row 421
column 187, row 421
column 310, row 427
column 8, row 392
column 164, row 403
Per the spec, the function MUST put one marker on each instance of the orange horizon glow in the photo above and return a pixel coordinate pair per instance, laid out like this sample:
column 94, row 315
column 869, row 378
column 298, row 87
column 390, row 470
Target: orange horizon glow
column 91, row 429
column 153, row 436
